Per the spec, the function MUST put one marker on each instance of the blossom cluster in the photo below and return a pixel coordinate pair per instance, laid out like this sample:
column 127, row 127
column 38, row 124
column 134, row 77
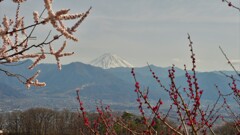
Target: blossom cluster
column 186, row 102
column 15, row 36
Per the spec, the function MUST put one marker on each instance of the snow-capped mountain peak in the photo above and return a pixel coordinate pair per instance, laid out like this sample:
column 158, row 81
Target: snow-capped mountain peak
column 109, row 60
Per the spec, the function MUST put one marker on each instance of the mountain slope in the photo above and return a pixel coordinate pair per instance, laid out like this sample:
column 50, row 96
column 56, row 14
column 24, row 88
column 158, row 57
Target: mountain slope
column 206, row 80
column 94, row 82
column 7, row 92
column 109, row 60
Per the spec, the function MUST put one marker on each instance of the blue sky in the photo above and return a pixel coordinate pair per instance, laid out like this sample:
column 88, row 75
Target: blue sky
column 153, row 31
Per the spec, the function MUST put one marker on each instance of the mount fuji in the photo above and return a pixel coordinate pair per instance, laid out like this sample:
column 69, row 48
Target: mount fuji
column 109, row 60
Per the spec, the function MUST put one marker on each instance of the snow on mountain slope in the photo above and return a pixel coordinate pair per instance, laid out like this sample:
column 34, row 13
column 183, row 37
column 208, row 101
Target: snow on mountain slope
column 109, row 60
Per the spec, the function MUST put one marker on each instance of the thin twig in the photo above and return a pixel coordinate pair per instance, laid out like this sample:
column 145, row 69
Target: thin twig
column 229, row 62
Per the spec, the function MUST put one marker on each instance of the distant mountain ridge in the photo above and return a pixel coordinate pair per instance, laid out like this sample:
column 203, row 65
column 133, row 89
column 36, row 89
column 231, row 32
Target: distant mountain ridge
column 115, row 86
column 109, row 60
